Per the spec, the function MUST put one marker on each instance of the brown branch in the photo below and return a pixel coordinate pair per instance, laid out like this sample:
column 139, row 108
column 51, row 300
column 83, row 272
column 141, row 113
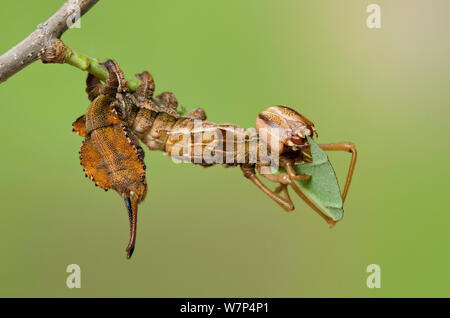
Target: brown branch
column 38, row 43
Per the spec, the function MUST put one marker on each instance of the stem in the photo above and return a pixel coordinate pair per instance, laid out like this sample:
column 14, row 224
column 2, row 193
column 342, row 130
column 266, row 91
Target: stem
column 93, row 66
column 34, row 46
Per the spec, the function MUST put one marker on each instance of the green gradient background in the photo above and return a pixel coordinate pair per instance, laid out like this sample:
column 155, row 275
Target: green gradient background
column 209, row 232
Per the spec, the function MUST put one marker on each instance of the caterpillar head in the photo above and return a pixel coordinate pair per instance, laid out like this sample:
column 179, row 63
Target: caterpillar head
column 283, row 127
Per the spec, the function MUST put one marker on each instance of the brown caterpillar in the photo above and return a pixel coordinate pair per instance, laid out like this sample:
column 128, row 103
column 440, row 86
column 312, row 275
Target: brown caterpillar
column 116, row 120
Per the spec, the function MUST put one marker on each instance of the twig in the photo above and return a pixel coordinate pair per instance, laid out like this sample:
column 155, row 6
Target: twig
column 38, row 43
column 62, row 54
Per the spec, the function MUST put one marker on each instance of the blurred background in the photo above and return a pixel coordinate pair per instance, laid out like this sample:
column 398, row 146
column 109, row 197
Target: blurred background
column 210, row 232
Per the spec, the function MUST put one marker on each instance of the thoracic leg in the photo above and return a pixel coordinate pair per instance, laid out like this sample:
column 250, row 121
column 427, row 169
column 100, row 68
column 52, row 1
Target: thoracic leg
column 348, row 147
column 283, row 178
column 292, row 174
column 249, row 173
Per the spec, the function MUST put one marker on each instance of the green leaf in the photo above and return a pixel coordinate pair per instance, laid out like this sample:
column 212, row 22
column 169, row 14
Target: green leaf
column 322, row 188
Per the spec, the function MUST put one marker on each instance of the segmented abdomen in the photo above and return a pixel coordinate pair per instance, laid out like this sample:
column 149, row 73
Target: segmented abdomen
column 198, row 141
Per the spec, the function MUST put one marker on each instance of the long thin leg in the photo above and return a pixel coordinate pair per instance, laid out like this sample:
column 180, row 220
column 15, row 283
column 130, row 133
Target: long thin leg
column 249, row 173
column 348, row 147
column 312, row 205
column 290, row 170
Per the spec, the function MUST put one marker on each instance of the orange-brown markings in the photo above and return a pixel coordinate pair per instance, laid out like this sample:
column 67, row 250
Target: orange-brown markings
column 79, row 126
column 93, row 164
column 157, row 136
column 143, row 122
column 125, row 170
column 100, row 114
column 110, row 157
